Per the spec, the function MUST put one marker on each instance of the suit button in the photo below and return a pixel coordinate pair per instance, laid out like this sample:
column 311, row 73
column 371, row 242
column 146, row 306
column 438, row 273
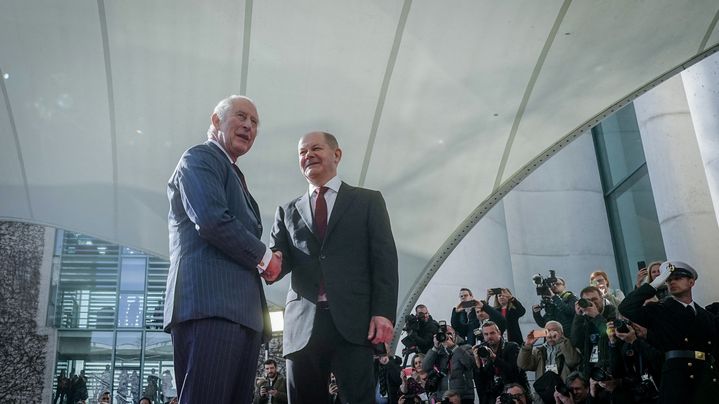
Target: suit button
column 323, row 257
column 686, row 339
column 690, row 364
column 691, row 376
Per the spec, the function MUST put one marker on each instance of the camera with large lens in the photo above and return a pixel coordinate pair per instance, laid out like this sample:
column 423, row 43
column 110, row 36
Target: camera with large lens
column 483, row 351
column 600, row 374
column 411, row 323
column 506, row 398
column 543, row 285
column 584, row 303
column 621, row 325
column 441, row 334
column 563, row 389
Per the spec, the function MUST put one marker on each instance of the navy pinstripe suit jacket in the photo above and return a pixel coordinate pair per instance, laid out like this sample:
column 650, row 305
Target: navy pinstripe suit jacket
column 215, row 231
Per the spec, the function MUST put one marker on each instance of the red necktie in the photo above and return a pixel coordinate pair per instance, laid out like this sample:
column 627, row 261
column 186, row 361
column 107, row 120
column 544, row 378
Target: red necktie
column 321, row 214
column 320, row 229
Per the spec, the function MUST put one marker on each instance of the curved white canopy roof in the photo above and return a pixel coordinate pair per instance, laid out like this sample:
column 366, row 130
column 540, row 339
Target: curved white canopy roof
column 439, row 105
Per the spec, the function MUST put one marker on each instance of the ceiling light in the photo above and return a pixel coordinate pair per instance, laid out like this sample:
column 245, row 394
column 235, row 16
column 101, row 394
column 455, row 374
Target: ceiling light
column 6, row 76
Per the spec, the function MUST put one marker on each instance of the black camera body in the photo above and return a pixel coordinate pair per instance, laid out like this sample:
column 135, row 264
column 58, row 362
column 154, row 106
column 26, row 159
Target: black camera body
column 543, row 285
column 621, row 325
column 506, row 398
column 441, row 334
column 411, row 323
column 584, row 303
column 600, row 374
column 483, row 351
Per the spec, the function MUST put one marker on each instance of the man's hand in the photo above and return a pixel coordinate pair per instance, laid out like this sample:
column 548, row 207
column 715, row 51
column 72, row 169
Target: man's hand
column 263, row 391
column 449, row 342
column 536, row 308
column 272, row 392
column 560, row 399
column 592, row 310
column 530, row 339
column 628, row 337
column 272, row 272
column 380, row 330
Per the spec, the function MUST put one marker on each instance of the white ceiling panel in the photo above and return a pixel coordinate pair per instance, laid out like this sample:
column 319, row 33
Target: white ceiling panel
column 106, row 95
column 13, row 197
column 449, row 110
column 171, row 63
column 59, row 101
column 315, row 66
column 597, row 52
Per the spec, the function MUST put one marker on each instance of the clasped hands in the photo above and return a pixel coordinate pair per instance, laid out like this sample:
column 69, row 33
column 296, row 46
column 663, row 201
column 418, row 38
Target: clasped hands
column 272, row 272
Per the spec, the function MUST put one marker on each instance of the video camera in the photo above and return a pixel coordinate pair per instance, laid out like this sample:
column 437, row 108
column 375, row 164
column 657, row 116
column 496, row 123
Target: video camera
column 544, row 285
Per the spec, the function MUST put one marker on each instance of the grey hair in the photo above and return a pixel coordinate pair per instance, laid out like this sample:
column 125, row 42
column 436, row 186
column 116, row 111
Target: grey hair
column 223, row 107
column 557, row 323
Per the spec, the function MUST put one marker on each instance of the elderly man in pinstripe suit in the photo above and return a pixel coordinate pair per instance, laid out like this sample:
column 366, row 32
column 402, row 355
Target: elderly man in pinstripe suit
column 215, row 305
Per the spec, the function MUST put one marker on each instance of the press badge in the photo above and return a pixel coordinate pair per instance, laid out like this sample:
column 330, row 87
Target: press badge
column 594, row 357
column 551, row 368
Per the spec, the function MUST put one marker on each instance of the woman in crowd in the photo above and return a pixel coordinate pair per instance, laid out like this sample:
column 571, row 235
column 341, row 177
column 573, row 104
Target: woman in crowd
column 600, row 280
column 511, row 310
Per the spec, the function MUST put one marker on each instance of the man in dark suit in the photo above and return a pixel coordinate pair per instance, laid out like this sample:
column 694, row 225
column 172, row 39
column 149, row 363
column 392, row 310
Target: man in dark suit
column 215, row 305
column 337, row 243
column 680, row 328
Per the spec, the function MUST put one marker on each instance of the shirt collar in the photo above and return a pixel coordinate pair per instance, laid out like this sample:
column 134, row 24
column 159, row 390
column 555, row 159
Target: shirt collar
column 221, row 148
column 333, row 184
column 686, row 304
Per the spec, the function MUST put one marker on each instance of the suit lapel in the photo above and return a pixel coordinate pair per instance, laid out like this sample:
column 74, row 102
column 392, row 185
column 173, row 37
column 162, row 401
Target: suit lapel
column 305, row 210
column 251, row 203
column 345, row 197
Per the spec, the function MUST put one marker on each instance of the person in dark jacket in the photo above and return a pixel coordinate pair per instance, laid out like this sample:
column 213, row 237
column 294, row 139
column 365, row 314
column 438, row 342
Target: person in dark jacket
column 589, row 329
column 469, row 321
column 558, row 305
column 453, row 358
column 496, row 364
column 388, row 375
column 686, row 333
column 512, row 310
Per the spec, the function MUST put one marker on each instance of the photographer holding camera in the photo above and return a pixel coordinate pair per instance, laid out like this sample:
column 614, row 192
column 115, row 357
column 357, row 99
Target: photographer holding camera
column 514, row 393
column 511, row 309
column 557, row 302
column 272, row 389
column 449, row 364
column 420, row 328
column 634, row 362
column 496, row 364
column 589, row 329
column 556, row 355
column 469, row 315
column 574, row 391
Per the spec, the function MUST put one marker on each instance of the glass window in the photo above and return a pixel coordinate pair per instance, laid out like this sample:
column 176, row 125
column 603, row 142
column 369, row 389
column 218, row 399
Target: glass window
column 621, row 143
column 130, row 310
column 128, row 355
column 158, row 370
column 635, row 217
column 132, row 276
column 88, row 353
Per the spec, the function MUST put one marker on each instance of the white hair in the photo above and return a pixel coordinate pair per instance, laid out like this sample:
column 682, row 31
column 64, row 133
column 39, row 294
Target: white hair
column 557, row 323
column 223, row 107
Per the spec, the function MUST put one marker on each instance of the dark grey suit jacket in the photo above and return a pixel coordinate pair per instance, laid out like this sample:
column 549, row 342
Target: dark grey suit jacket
column 215, row 246
column 358, row 261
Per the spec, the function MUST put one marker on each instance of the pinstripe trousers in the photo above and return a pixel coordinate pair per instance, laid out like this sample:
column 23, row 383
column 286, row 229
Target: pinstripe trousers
column 215, row 361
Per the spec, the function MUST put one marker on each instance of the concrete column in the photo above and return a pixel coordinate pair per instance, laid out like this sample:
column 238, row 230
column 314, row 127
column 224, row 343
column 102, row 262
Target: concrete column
column 701, row 84
column 681, row 193
column 556, row 219
column 479, row 262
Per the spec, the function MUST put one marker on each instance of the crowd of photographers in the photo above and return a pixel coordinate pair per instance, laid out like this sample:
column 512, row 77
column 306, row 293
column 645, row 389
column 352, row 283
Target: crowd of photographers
column 654, row 345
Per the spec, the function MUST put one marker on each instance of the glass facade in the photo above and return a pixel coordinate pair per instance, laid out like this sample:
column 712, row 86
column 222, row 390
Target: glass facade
column 632, row 215
column 107, row 305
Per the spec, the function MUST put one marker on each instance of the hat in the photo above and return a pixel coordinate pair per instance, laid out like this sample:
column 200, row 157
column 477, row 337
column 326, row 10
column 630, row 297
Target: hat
column 679, row 268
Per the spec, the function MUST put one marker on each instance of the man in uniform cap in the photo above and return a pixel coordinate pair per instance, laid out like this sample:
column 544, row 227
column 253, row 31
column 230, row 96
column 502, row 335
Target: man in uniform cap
column 683, row 330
